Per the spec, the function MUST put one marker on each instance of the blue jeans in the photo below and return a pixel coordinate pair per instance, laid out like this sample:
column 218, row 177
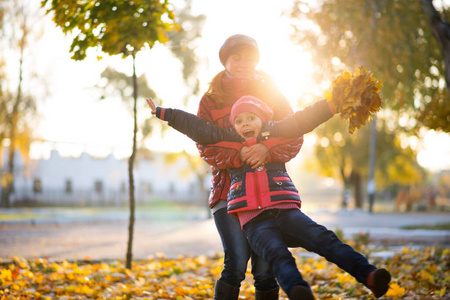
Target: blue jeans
column 237, row 253
column 273, row 231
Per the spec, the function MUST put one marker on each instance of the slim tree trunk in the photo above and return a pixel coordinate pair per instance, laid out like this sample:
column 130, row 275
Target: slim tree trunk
column 129, row 255
column 7, row 190
column 356, row 180
column 371, row 185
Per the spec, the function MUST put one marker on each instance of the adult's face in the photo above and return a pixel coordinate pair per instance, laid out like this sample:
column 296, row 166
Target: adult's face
column 242, row 64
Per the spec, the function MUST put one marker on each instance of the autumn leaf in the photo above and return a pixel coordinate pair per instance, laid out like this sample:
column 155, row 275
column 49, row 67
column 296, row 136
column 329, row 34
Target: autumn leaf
column 5, row 276
column 395, row 290
column 355, row 96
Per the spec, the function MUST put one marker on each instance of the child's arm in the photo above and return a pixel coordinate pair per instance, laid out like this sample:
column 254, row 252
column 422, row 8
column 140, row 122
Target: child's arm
column 280, row 150
column 196, row 128
column 220, row 156
column 301, row 122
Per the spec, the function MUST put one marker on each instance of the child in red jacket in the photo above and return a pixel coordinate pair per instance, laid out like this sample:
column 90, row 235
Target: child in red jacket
column 266, row 201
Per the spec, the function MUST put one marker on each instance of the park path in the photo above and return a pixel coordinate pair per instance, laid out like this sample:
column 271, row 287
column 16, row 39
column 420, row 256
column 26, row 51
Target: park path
column 93, row 237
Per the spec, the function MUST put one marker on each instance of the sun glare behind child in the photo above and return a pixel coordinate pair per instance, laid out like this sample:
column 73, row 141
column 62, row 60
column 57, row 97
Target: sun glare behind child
column 289, row 66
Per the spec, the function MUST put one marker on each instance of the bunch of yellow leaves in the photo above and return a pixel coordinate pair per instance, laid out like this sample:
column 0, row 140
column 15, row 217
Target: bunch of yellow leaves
column 355, row 96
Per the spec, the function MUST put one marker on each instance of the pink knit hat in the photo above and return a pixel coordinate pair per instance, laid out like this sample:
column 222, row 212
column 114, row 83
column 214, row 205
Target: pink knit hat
column 235, row 43
column 251, row 104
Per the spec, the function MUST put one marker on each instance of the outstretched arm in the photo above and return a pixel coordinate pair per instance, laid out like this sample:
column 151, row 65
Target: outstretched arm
column 199, row 130
column 301, row 122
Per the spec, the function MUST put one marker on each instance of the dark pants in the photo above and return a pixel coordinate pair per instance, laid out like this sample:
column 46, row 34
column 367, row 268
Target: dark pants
column 273, row 231
column 237, row 253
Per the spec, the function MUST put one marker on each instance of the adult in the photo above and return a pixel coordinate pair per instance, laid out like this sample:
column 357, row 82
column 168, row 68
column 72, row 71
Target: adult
column 239, row 55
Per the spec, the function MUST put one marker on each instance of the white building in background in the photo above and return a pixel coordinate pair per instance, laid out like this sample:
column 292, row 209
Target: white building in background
column 87, row 180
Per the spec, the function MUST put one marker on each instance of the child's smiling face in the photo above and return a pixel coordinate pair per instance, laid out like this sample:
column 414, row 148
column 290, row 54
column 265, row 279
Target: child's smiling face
column 248, row 125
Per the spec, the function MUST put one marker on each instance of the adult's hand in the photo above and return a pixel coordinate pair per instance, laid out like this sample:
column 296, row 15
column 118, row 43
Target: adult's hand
column 254, row 156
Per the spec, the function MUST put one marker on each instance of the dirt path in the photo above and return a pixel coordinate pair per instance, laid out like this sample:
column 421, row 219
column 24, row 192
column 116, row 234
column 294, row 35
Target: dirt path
column 107, row 239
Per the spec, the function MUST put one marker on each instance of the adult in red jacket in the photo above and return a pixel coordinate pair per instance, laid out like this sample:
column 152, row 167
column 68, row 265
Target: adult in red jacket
column 239, row 55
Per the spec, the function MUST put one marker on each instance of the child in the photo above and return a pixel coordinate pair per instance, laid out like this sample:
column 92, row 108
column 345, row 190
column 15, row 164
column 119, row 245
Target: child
column 266, row 201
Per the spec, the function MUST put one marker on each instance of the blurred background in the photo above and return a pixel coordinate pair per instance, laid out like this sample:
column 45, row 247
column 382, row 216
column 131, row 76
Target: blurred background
column 67, row 94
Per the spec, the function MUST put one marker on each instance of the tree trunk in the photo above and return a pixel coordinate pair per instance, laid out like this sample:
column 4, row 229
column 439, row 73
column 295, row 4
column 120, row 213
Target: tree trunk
column 129, row 256
column 346, row 190
column 7, row 190
column 371, row 185
column 441, row 32
column 356, row 181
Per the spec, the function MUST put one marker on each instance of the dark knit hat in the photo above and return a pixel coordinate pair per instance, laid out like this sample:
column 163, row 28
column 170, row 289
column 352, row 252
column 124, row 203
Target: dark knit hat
column 251, row 104
column 235, row 43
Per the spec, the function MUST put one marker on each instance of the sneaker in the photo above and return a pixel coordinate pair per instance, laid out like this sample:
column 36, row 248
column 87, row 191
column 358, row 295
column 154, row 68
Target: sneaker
column 300, row 292
column 378, row 282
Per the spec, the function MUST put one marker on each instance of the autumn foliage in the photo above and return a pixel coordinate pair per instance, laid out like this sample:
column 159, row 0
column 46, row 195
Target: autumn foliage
column 355, row 96
column 421, row 273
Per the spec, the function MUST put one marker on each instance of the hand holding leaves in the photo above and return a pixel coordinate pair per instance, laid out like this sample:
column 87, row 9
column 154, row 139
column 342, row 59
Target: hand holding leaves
column 355, row 96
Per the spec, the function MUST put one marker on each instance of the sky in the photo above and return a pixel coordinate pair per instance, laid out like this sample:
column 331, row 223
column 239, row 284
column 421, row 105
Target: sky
column 72, row 113
column 75, row 120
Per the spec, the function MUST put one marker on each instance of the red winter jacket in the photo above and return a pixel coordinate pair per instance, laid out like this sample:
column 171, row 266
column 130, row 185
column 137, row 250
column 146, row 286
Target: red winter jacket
column 225, row 155
column 256, row 189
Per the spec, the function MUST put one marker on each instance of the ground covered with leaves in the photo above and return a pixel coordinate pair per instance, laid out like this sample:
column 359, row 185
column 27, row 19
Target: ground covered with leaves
column 419, row 273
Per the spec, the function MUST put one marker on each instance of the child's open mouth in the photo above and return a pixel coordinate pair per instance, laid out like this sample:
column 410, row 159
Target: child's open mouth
column 248, row 133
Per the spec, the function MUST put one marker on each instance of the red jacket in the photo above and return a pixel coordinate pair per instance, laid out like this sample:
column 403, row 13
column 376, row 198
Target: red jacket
column 256, row 189
column 225, row 155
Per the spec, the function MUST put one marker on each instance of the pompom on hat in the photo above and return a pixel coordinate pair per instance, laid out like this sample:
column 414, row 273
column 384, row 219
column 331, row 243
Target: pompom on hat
column 235, row 43
column 251, row 104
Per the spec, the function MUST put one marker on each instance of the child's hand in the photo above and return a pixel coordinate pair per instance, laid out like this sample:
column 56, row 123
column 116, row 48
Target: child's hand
column 152, row 105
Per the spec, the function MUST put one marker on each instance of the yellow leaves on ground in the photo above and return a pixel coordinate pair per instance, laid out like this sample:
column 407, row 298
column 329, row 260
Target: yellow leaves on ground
column 6, row 275
column 157, row 278
column 355, row 96
column 395, row 291
column 421, row 273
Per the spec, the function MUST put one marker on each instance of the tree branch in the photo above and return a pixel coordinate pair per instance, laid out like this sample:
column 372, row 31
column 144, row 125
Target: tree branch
column 441, row 32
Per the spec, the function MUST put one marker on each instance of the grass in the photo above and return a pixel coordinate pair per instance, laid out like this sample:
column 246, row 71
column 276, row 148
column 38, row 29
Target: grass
column 440, row 226
column 154, row 210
